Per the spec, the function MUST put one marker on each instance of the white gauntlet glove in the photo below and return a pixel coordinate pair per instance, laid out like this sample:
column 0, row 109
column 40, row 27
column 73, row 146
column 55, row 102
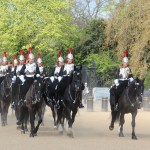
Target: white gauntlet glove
column 22, row 78
column 38, row 75
column 131, row 79
column 116, row 81
column 52, row 79
column 59, row 78
column 14, row 78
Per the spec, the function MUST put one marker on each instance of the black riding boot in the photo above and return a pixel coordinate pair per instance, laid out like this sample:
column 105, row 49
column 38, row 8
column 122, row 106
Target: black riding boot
column 80, row 97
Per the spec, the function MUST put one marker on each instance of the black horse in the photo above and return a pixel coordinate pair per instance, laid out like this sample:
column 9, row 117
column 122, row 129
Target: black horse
column 5, row 97
column 34, row 103
column 71, row 98
column 51, row 98
column 128, row 103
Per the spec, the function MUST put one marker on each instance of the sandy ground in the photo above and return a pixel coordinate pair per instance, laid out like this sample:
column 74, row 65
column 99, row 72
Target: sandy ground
column 90, row 133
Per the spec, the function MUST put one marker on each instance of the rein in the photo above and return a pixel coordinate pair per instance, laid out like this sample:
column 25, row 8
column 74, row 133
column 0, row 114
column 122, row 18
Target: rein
column 76, row 97
column 127, row 94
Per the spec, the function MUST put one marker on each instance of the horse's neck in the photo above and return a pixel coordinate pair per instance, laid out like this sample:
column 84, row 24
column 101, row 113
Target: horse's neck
column 131, row 90
column 71, row 89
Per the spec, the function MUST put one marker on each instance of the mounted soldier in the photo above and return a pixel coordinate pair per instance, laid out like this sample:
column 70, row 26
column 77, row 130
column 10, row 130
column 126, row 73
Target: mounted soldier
column 29, row 73
column 41, row 66
column 68, row 70
column 4, row 68
column 123, row 77
column 17, row 81
column 55, row 78
column 14, row 64
column 19, row 69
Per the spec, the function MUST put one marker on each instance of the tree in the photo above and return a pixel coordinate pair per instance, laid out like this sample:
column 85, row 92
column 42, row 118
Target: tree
column 128, row 28
column 46, row 24
column 91, row 39
column 87, row 10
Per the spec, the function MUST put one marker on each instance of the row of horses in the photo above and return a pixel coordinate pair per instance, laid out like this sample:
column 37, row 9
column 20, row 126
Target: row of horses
column 64, row 101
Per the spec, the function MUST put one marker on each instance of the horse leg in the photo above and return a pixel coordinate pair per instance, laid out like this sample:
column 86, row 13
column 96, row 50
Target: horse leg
column 26, row 120
column 23, row 115
column 73, row 115
column 69, row 119
column 122, row 121
column 39, row 121
column 6, row 113
column 2, row 113
column 22, row 127
column 32, row 117
column 43, row 112
column 54, row 116
column 133, row 125
column 59, row 120
column 111, row 127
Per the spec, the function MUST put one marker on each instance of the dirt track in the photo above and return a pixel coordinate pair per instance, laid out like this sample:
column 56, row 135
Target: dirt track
column 90, row 133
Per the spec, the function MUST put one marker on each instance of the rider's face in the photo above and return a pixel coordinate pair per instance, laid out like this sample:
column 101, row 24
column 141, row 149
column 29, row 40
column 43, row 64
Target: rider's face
column 21, row 62
column 70, row 61
column 31, row 61
column 39, row 64
column 124, row 64
column 61, row 63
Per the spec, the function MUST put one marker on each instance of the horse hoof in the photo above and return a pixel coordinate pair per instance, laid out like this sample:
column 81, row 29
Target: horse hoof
column 18, row 127
column 134, row 137
column 70, row 133
column 26, row 130
column 121, row 135
column 42, row 124
column 22, row 131
column 55, row 127
column 31, row 135
column 111, row 128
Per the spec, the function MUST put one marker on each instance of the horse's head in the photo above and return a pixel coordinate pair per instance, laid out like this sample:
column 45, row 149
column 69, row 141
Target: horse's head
column 76, row 79
column 136, row 89
column 38, row 84
column 6, row 85
column 139, row 87
column 7, row 81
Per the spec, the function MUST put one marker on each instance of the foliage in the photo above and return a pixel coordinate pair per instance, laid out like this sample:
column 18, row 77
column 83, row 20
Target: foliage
column 91, row 39
column 128, row 28
column 147, row 81
column 46, row 24
column 104, row 63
